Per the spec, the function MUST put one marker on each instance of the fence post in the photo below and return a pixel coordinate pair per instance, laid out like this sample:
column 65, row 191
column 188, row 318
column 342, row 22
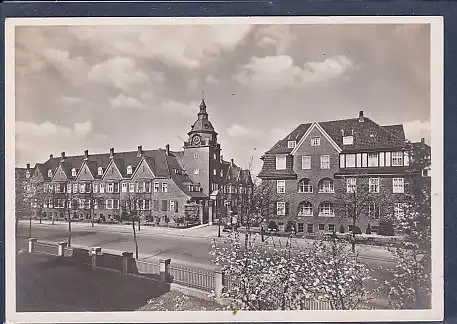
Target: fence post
column 32, row 242
column 219, row 282
column 127, row 258
column 62, row 246
column 94, row 252
column 165, row 269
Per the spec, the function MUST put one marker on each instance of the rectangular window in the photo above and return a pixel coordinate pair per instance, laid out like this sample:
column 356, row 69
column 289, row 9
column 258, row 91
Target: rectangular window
column 342, row 161
column 326, row 209
column 195, row 155
column 280, row 208
column 280, row 186
column 306, row 162
column 116, row 187
column 124, row 187
column 291, row 144
column 75, row 188
column 364, row 160
column 109, row 203
column 399, row 210
column 300, row 227
column 164, row 187
column 381, row 159
column 373, row 160
column 350, row 160
column 398, row 185
column 351, row 185
column 214, row 172
column 95, row 187
column 373, row 185
column 280, row 162
column 373, row 210
column 172, row 205
column 325, row 161
column 310, row 228
column 359, row 160
column 164, row 205
column 156, row 187
column 221, row 173
column 110, row 187
column 348, row 140
column 388, row 159
column 102, row 188
column 68, row 188
column 315, row 141
column 321, row 227
column 405, row 158
column 397, row 158
column 82, row 188
column 374, row 229
column 131, row 187
column 147, row 185
column 331, row 227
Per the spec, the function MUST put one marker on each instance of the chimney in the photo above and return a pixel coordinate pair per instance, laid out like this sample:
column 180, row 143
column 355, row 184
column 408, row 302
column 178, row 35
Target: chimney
column 51, row 156
column 28, row 166
column 140, row 151
column 62, row 156
column 342, row 132
column 232, row 162
column 86, row 154
column 167, row 149
column 361, row 116
column 111, row 152
column 423, row 140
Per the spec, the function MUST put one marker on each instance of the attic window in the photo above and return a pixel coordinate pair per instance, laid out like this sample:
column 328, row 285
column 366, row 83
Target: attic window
column 315, row 141
column 73, row 172
column 49, row 173
column 129, row 169
column 27, row 174
column 348, row 140
column 100, row 171
column 291, row 144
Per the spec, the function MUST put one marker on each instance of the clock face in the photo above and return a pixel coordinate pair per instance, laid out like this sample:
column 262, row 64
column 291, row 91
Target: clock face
column 196, row 140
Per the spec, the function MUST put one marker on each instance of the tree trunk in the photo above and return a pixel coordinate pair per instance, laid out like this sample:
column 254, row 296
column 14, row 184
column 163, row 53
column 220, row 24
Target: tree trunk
column 135, row 240
column 30, row 225
column 91, row 215
column 52, row 216
column 353, row 235
column 139, row 226
column 69, row 230
column 41, row 213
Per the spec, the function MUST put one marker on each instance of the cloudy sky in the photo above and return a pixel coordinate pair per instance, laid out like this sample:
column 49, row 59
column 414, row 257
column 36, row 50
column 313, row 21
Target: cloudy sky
column 96, row 87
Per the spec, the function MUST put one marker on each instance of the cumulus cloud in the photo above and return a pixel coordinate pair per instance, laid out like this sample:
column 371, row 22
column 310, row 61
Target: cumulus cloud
column 73, row 69
column 173, row 107
column 126, row 102
column 278, row 36
column 236, row 130
column 278, row 72
column 416, row 129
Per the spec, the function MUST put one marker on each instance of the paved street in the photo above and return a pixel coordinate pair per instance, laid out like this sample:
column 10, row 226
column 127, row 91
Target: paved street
column 190, row 246
column 50, row 284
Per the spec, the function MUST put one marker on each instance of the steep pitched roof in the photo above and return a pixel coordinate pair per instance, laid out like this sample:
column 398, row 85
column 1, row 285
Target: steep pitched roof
column 397, row 130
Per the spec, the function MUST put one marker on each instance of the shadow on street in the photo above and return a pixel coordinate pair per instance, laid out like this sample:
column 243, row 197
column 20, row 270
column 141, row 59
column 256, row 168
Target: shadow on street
column 52, row 284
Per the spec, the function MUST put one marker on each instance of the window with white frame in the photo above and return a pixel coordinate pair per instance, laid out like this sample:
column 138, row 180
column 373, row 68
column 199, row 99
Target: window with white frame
column 73, row 172
column 398, row 185
column 156, row 187
column 373, row 210
column 326, row 186
column 348, row 140
column 280, row 162
column 397, row 158
column 331, row 227
column 109, row 204
column 325, row 161
column 69, row 188
column 124, row 187
column 100, row 171
column 102, row 187
column 315, row 141
column 164, row 187
column 280, row 208
column 95, row 187
column 399, row 210
column 373, row 160
column 326, row 209
column 280, row 186
column 351, row 185
column 75, row 188
column 110, row 187
column 221, row 173
column 306, row 162
column 129, row 169
column 304, row 186
column 147, row 186
column 373, row 185
column 350, row 160
column 214, row 172
column 50, row 173
column 195, row 155
column 291, row 144
column 305, row 209
column 342, row 165
column 131, row 187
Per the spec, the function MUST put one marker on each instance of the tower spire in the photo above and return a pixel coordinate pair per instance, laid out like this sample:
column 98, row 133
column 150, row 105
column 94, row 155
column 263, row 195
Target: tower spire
column 203, row 104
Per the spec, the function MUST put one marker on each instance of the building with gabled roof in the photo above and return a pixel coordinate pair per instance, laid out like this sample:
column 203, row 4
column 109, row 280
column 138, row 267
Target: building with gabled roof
column 317, row 163
column 163, row 181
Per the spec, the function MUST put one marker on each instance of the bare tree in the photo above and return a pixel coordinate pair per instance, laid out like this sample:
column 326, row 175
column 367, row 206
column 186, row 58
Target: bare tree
column 131, row 210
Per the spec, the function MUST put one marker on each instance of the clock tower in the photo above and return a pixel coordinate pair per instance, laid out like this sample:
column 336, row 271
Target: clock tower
column 202, row 153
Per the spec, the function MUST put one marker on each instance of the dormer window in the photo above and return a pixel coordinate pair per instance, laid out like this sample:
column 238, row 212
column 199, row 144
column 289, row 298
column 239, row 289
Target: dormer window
column 315, row 141
column 291, row 144
column 348, row 140
column 73, row 172
column 129, row 169
column 49, row 173
column 100, row 171
column 27, row 174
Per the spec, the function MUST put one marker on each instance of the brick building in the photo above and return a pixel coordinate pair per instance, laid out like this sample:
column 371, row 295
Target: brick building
column 165, row 185
column 318, row 164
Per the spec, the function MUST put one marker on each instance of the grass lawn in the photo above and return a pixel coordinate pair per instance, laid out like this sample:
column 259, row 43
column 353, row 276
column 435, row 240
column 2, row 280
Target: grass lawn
column 176, row 301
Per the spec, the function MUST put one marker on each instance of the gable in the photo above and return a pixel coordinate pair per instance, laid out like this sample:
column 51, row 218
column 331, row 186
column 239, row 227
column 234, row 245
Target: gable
column 112, row 172
column 60, row 174
column 143, row 171
column 85, row 173
column 37, row 176
column 326, row 142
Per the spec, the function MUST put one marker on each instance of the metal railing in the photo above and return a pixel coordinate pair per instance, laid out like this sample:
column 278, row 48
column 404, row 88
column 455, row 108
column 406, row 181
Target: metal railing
column 193, row 277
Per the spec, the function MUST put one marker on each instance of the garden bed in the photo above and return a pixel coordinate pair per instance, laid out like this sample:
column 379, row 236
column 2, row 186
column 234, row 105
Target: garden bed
column 177, row 301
